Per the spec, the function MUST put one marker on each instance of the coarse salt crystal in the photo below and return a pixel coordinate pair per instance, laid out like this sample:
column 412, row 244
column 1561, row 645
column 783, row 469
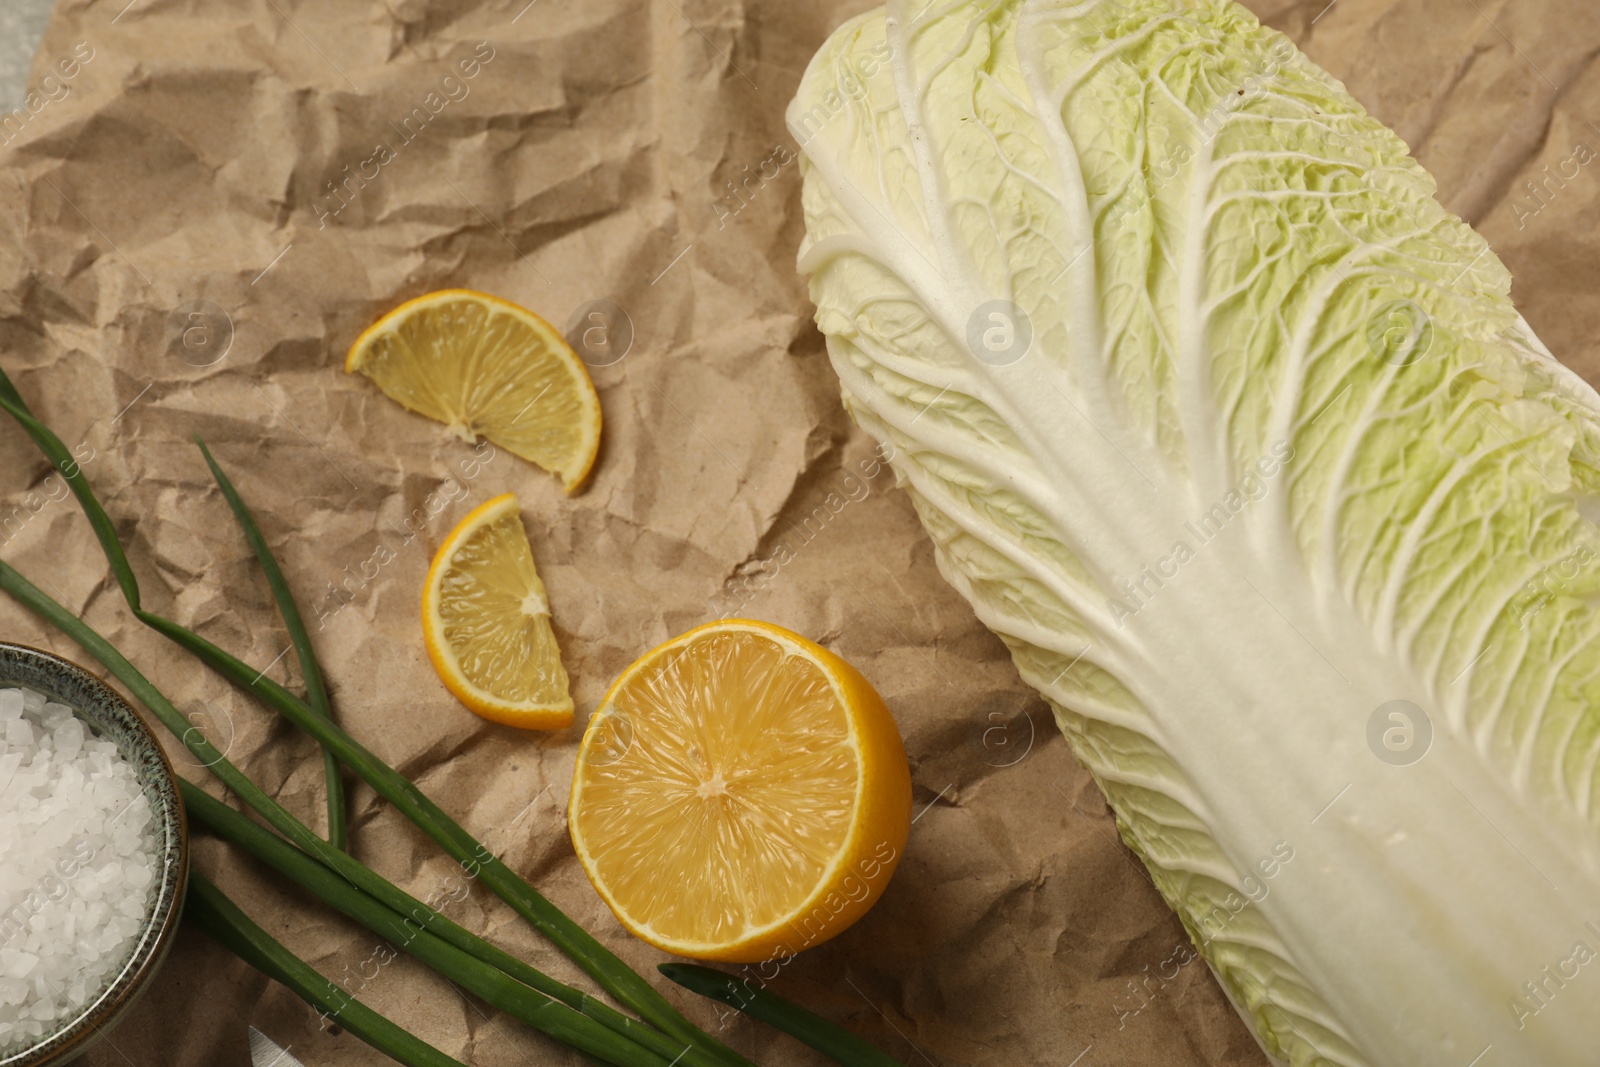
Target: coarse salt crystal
column 19, row 732
column 69, row 738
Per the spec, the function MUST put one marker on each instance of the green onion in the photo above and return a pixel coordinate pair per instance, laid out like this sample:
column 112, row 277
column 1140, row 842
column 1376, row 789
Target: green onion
column 836, row 1043
column 534, row 1008
column 222, row 919
column 57, row 453
column 310, row 670
column 601, row 964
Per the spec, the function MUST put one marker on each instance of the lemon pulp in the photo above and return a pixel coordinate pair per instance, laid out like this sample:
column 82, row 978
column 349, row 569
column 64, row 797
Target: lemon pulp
column 486, row 622
column 484, row 366
column 740, row 793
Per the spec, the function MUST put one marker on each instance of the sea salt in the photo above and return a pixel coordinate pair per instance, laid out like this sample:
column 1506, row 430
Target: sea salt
column 77, row 838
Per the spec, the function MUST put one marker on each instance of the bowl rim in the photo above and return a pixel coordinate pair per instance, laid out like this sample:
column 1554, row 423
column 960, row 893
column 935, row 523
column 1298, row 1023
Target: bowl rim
column 150, row 951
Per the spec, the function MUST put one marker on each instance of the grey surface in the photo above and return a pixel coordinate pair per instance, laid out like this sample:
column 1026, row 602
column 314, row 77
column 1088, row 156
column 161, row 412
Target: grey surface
column 265, row 1052
column 22, row 23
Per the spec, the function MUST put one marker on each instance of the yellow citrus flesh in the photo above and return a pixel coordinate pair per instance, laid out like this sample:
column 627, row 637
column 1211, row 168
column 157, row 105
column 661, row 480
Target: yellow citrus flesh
column 482, row 365
column 741, row 794
column 486, row 622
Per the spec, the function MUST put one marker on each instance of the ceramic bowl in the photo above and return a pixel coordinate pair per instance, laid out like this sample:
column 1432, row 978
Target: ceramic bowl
column 110, row 717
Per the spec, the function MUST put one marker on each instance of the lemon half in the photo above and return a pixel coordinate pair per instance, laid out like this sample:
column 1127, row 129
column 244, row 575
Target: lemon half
column 741, row 794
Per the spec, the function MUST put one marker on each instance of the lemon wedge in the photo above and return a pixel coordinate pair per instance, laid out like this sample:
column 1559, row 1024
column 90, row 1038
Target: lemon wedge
column 486, row 622
column 741, row 794
column 482, row 365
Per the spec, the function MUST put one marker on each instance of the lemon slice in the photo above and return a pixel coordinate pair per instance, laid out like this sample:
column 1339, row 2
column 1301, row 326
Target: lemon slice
column 482, row 365
column 486, row 622
column 741, row 794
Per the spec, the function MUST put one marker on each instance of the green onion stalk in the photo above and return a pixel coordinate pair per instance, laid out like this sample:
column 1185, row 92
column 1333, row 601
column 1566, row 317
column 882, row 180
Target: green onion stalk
column 758, row 1002
column 310, row 670
column 220, row 918
column 462, row 968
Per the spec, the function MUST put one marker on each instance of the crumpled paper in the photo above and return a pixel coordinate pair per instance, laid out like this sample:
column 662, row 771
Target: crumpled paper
column 204, row 203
